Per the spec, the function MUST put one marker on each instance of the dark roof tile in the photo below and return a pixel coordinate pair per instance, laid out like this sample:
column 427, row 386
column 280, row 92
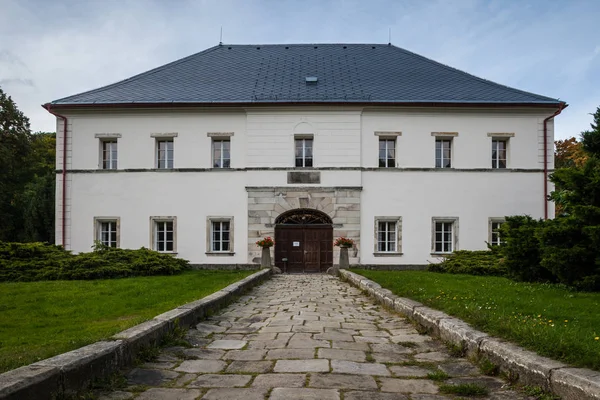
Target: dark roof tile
column 276, row 73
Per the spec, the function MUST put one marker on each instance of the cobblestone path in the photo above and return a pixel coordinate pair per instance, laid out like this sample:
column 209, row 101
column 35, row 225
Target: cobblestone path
column 304, row 337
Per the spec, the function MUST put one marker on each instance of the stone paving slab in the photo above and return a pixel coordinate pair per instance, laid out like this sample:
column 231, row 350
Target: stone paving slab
column 304, row 337
column 304, row 394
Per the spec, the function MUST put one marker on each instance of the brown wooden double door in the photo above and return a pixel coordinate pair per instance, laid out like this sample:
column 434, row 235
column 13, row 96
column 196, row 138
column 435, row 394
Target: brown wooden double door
column 303, row 248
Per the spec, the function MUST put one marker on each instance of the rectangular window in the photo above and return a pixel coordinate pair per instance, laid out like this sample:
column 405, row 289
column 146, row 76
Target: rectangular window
column 164, row 238
column 444, row 237
column 304, row 152
column 221, row 153
column 387, row 153
column 164, row 154
column 494, row 234
column 106, row 231
column 386, row 236
column 443, row 153
column 220, row 236
column 499, row 153
column 109, row 154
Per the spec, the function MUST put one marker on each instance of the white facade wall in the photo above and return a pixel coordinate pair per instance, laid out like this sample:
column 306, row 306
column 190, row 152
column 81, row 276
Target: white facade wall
column 262, row 147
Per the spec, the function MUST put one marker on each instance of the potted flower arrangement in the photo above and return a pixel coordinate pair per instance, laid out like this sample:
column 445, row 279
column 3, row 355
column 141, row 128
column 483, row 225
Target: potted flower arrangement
column 343, row 242
column 265, row 244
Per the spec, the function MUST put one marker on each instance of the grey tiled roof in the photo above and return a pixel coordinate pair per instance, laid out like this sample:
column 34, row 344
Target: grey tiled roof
column 346, row 73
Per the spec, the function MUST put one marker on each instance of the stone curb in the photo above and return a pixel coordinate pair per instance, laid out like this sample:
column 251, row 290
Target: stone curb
column 524, row 366
column 68, row 373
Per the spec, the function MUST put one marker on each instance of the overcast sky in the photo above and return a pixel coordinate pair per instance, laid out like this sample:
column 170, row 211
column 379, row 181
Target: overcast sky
column 52, row 49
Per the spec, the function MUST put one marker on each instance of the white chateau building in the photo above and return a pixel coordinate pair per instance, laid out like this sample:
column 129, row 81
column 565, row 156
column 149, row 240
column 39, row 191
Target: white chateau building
column 204, row 156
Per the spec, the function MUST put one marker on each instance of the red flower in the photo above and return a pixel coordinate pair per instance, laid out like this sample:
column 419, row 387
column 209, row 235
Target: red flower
column 343, row 242
column 266, row 242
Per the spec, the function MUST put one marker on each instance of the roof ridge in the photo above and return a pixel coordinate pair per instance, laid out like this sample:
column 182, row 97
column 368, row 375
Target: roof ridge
column 138, row 76
column 483, row 80
column 304, row 44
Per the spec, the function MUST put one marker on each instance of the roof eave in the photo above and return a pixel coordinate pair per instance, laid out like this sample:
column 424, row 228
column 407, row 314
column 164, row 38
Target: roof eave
column 173, row 104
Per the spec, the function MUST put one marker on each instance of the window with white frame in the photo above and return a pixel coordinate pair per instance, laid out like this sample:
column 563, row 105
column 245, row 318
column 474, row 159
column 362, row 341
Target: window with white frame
column 164, row 234
column 220, row 236
column 499, row 147
column 443, row 152
column 304, row 152
column 221, row 153
column 494, row 231
column 387, row 153
column 386, row 236
column 109, row 153
column 164, row 153
column 107, row 231
column 444, row 235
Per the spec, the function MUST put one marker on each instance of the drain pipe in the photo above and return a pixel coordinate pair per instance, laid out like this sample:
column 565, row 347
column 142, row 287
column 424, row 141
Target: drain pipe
column 561, row 107
column 64, row 174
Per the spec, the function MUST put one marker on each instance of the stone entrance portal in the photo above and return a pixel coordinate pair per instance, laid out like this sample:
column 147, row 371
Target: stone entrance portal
column 303, row 241
column 341, row 205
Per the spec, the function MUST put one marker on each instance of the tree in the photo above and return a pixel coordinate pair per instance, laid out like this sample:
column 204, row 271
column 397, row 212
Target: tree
column 15, row 151
column 569, row 153
column 570, row 245
column 26, row 177
column 36, row 202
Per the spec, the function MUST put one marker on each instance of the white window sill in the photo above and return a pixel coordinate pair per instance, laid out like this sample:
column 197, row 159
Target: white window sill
column 220, row 253
column 387, row 254
column 440, row 254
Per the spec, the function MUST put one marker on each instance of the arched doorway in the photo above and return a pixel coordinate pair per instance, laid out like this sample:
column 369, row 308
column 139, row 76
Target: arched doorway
column 303, row 241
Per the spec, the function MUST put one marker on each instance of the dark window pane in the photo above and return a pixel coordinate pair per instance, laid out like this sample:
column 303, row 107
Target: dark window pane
column 308, row 151
column 308, row 162
column 225, row 246
column 299, row 162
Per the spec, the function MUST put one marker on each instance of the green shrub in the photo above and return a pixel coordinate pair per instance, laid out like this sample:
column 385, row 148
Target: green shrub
column 41, row 261
column 481, row 262
column 570, row 252
column 521, row 249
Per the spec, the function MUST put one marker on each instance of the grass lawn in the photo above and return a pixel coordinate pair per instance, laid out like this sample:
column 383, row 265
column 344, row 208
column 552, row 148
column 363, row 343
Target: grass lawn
column 549, row 319
column 41, row 319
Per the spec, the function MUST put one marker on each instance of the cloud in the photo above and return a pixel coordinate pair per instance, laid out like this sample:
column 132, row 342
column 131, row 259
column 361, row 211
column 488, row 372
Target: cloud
column 16, row 81
column 69, row 46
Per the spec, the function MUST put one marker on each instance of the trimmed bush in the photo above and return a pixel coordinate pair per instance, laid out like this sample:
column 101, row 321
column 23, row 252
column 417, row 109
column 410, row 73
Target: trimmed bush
column 481, row 262
column 41, row 261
